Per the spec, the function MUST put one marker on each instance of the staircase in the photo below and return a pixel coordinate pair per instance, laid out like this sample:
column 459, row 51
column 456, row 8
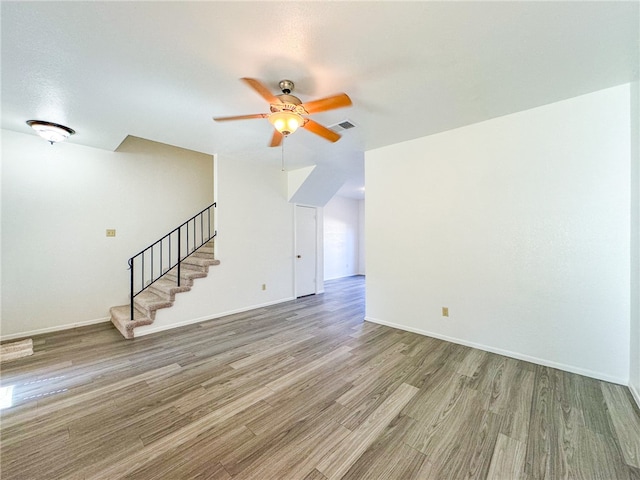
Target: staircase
column 151, row 291
column 162, row 293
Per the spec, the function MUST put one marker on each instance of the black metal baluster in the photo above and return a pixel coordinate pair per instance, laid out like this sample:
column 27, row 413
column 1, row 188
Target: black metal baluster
column 179, row 235
column 133, row 291
column 131, row 294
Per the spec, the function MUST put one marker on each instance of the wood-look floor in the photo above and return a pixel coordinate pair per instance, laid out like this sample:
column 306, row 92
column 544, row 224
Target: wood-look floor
column 305, row 390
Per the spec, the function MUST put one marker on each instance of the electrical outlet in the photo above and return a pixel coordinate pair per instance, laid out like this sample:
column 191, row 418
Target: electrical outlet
column 111, row 232
column 264, row 286
column 445, row 311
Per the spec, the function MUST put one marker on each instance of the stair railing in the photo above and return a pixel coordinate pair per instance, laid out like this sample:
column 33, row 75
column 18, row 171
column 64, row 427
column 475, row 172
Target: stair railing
column 155, row 261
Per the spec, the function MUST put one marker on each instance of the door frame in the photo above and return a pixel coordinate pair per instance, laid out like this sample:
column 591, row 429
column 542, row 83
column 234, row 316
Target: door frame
column 319, row 258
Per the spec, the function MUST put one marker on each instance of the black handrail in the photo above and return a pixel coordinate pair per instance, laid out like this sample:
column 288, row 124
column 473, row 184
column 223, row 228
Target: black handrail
column 174, row 257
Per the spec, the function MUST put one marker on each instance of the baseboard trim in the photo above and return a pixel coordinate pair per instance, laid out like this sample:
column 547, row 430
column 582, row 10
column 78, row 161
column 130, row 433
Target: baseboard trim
column 635, row 393
column 148, row 330
column 54, row 329
column 344, row 276
column 506, row 353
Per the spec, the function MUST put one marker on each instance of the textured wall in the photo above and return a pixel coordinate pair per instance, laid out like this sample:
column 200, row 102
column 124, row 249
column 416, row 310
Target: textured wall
column 341, row 237
column 254, row 245
column 58, row 267
column 520, row 225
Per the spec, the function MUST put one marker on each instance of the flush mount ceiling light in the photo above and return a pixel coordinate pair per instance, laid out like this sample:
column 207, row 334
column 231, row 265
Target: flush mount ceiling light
column 51, row 132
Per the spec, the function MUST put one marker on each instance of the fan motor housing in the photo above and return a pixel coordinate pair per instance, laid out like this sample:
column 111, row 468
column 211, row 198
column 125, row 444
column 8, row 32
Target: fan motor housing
column 288, row 106
column 286, row 86
column 285, row 98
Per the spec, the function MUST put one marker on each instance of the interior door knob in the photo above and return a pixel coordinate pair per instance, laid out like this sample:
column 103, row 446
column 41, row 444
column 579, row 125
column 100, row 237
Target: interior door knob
column 299, row 256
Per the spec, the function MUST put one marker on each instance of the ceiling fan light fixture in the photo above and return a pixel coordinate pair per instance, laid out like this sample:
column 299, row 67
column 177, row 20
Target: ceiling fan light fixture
column 51, row 132
column 286, row 122
column 288, row 112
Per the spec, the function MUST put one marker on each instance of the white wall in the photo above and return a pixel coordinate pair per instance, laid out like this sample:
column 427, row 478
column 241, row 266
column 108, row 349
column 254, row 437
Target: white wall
column 254, row 245
column 520, row 225
column 341, row 237
column 634, row 367
column 58, row 267
column 319, row 186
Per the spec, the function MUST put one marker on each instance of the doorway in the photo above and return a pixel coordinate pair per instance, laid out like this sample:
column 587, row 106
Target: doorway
column 306, row 254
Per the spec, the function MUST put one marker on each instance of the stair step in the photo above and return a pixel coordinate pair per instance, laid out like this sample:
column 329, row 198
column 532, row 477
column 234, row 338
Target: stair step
column 200, row 260
column 192, row 267
column 208, row 249
column 150, row 302
column 167, row 289
column 186, row 273
column 14, row 350
column 207, row 255
column 184, row 281
column 121, row 319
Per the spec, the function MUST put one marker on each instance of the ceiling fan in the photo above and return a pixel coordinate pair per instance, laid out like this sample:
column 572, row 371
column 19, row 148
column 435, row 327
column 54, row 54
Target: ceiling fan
column 288, row 112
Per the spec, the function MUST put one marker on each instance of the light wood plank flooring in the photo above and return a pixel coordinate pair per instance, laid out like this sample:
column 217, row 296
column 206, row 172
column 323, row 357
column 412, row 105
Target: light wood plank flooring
column 305, row 390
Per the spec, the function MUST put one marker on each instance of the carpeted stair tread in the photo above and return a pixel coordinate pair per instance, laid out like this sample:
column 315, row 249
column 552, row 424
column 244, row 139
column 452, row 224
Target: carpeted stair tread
column 121, row 319
column 193, row 267
column 200, row 260
column 149, row 301
column 207, row 248
column 185, row 274
column 205, row 251
column 167, row 289
column 184, row 281
column 124, row 312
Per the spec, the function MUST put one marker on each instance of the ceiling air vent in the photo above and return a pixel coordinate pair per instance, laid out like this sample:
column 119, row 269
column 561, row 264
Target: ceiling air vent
column 342, row 126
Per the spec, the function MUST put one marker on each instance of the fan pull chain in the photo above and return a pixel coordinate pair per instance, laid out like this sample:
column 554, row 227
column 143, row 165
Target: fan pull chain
column 283, row 142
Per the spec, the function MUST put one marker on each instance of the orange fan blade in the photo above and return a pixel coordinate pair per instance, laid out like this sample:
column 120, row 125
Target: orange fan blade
column 241, row 117
column 318, row 129
column 276, row 140
column 329, row 103
column 263, row 91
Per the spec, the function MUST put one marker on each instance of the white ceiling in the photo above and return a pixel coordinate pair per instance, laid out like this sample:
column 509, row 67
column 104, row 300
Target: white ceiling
column 161, row 70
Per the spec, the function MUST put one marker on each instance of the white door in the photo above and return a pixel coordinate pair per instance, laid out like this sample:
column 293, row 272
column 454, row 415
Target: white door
column 306, row 250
